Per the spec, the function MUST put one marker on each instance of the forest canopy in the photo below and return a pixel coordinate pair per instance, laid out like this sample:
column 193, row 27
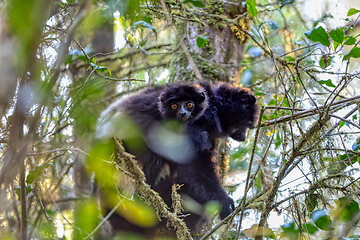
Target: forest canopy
column 296, row 176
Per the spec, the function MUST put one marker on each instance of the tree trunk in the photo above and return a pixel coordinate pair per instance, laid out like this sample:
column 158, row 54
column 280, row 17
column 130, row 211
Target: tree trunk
column 220, row 59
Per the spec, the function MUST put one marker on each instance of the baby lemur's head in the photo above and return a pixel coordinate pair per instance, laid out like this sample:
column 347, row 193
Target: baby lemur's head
column 183, row 102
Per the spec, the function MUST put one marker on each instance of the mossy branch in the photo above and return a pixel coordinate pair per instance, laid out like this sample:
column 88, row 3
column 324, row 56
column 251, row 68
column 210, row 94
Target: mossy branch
column 149, row 195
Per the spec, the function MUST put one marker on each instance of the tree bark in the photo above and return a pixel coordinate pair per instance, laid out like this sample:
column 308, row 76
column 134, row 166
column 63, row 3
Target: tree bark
column 220, row 59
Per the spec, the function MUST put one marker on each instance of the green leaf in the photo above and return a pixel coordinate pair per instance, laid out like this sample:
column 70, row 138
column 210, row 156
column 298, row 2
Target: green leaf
column 28, row 190
column 347, row 208
column 61, row 4
column 309, row 228
column 103, row 171
column 100, row 69
column 341, row 124
column 201, row 41
column 289, row 226
column 142, row 24
column 277, row 140
column 327, row 83
column 337, row 35
column 355, row 53
column 289, row 231
column 322, row 220
column 81, row 58
column 352, row 11
column 348, row 157
column 350, row 41
column 68, row 59
column 251, row 7
column 196, row 3
column 212, row 208
column 318, row 35
column 290, row 59
column 336, row 45
column 36, row 172
column 86, row 216
column 321, row 62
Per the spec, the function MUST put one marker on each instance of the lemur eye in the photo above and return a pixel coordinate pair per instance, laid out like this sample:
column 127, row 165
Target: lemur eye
column 174, row 106
column 189, row 104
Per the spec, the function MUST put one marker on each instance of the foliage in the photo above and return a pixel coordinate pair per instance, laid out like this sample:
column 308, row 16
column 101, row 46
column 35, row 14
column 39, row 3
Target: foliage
column 61, row 68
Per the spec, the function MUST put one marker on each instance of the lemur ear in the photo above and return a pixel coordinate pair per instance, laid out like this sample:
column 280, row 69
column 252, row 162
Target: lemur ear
column 248, row 98
column 202, row 96
column 162, row 97
column 252, row 99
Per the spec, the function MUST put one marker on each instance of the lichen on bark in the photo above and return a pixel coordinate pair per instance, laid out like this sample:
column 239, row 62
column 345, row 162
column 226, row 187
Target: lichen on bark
column 220, row 59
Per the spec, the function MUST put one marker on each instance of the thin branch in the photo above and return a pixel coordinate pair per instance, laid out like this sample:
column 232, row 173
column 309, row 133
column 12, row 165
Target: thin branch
column 104, row 220
column 59, row 210
column 64, row 46
column 345, row 120
column 352, row 223
column 308, row 112
column 315, row 128
column 119, row 80
column 337, row 124
column 23, row 202
column 182, row 45
column 247, row 186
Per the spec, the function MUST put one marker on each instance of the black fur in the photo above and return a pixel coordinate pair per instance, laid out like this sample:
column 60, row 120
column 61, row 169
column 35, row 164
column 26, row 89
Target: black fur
column 183, row 92
column 149, row 108
column 230, row 113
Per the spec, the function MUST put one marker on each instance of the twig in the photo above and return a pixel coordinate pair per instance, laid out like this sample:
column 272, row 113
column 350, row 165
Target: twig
column 113, row 56
column 247, row 186
column 23, row 202
column 119, row 80
column 104, row 219
column 64, row 46
column 337, row 124
column 182, row 45
column 59, row 210
column 352, row 223
column 316, row 127
column 48, row 152
column 331, row 129
column 306, row 112
column 345, row 120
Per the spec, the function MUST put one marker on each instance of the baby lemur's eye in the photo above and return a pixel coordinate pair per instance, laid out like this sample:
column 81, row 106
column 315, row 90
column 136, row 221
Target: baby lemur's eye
column 190, row 105
column 174, row 106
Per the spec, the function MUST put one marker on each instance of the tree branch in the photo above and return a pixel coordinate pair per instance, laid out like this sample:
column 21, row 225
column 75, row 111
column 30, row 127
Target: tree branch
column 182, row 45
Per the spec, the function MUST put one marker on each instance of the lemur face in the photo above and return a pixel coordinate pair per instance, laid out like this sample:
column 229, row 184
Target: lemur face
column 182, row 110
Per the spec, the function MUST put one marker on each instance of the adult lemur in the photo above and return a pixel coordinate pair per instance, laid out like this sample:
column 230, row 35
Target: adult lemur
column 151, row 110
column 208, row 112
